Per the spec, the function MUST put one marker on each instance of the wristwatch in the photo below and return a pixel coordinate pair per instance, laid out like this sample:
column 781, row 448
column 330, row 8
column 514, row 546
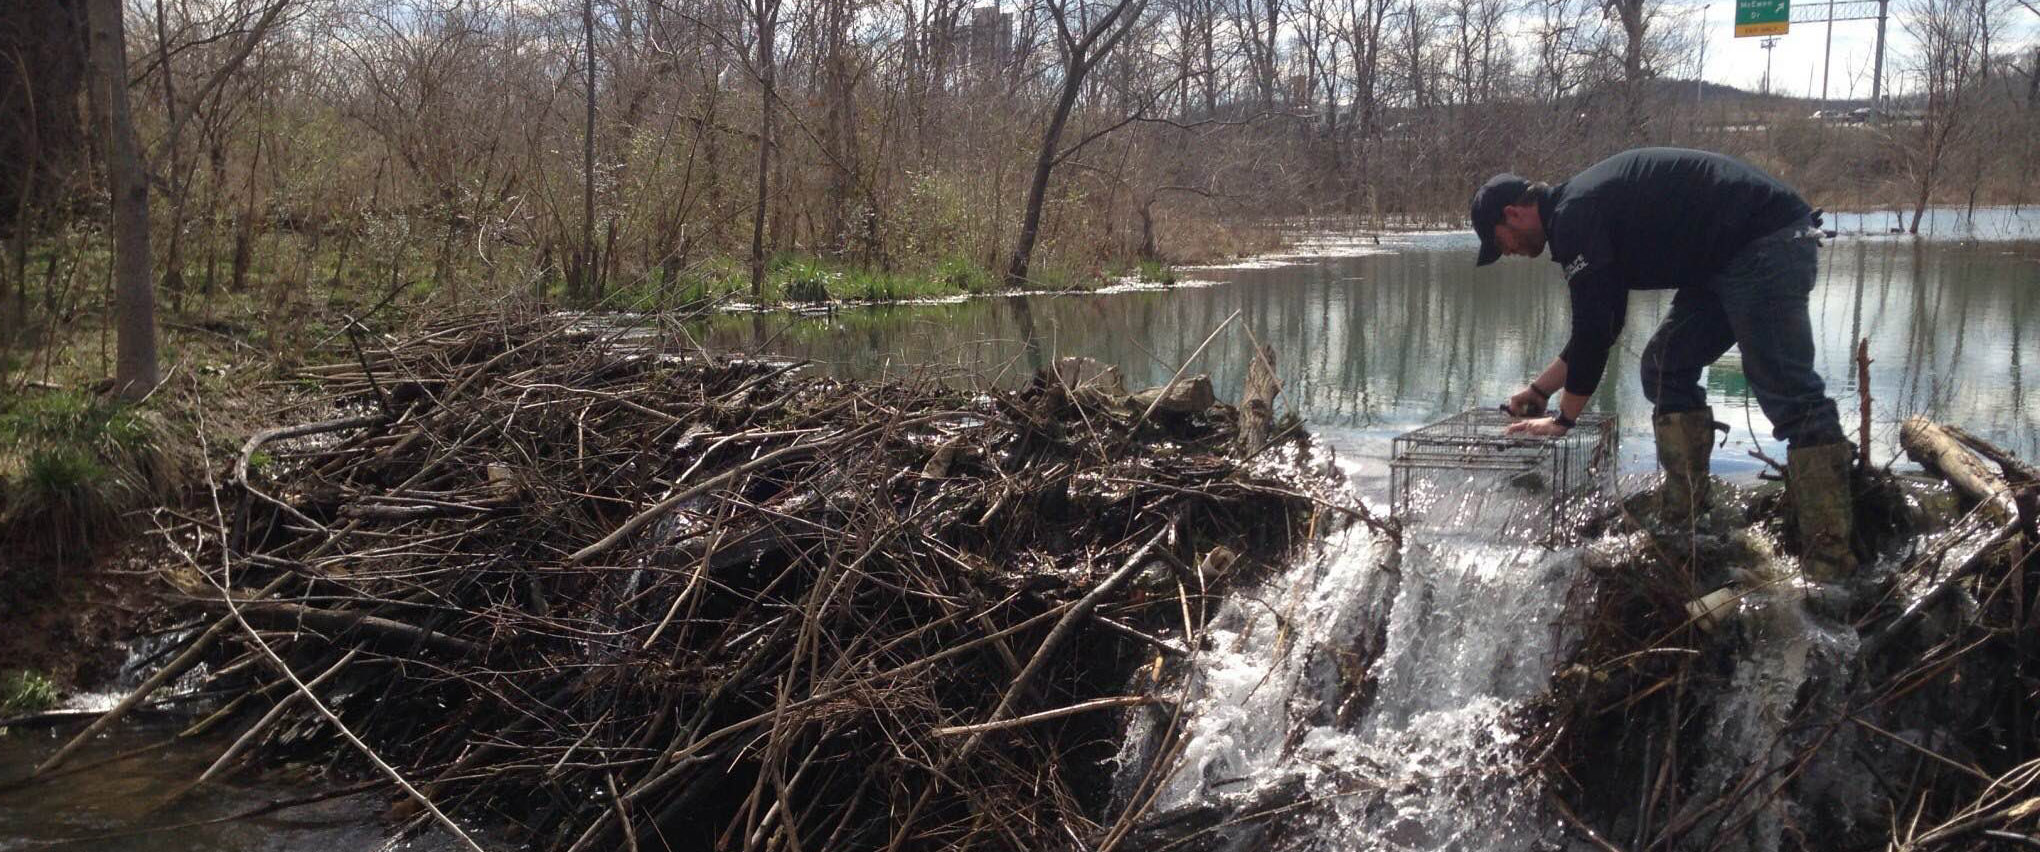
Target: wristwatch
column 1563, row 420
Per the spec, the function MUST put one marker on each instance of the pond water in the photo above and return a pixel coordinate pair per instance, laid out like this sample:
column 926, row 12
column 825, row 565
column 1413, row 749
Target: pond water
column 144, row 803
column 1374, row 339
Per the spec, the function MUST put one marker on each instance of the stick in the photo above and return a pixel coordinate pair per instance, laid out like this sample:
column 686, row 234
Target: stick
column 164, row 675
column 1105, row 703
column 660, row 508
column 1863, row 402
column 1179, row 373
column 234, row 613
column 395, row 635
column 269, row 718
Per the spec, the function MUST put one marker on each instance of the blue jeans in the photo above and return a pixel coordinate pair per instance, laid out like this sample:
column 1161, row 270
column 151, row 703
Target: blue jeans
column 1758, row 302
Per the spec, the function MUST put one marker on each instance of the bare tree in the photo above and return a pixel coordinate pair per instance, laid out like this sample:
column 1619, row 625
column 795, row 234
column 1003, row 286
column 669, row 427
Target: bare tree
column 1634, row 16
column 1950, row 62
column 1081, row 48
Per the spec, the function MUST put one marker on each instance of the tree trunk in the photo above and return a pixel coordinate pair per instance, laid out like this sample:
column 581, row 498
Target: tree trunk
column 839, row 128
column 1257, row 400
column 1147, row 229
column 1634, row 26
column 135, row 373
column 767, row 18
column 2033, row 82
column 40, row 137
column 176, row 184
column 1044, row 163
column 586, row 258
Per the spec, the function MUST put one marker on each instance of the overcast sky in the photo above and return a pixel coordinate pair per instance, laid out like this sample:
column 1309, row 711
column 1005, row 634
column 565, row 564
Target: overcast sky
column 1796, row 61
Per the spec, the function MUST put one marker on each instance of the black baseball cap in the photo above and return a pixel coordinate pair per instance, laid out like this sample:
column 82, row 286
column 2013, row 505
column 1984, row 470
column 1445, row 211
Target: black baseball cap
column 1500, row 191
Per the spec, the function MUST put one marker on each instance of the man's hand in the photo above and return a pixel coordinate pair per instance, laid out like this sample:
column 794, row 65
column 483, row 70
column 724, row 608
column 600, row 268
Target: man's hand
column 1543, row 427
column 1526, row 403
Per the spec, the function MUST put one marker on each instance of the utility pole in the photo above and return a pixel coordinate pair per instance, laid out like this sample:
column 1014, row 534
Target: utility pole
column 1769, row 43
column 1877, row 71
column 1827, row 56
column 1700, row 77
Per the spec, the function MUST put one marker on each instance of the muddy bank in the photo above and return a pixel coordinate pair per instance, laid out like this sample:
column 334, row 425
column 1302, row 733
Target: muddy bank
column 612, row 594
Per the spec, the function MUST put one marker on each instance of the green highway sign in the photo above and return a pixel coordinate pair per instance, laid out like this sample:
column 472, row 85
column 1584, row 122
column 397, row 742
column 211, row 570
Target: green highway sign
column 1762, row 17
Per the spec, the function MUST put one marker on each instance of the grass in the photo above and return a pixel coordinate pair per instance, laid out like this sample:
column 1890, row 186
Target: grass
column 811, row 279
column 1155, row 271
column 24, row 692
column 70, row 465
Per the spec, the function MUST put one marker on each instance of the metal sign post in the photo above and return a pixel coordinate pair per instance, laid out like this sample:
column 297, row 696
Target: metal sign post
column 1762, row 17
column 1830, row 11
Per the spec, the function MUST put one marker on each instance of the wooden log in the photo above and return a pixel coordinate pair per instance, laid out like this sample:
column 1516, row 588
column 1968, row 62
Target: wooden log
column 391, row 635
column 1257, row 401
column 1185, row 396
column 1943, row 454
column 1863, row 402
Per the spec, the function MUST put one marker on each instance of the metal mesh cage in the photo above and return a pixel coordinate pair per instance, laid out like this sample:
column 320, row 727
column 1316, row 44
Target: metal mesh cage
column 1464, row 473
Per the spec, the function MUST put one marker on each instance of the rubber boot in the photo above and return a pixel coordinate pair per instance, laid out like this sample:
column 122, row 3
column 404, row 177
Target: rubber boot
column 1817, row 481
column 1685, row 440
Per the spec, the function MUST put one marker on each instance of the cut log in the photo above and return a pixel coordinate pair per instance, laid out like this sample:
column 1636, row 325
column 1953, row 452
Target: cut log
column 1189, row 396
column 1085, row 374
column 1943, row 454
column 1257, row 402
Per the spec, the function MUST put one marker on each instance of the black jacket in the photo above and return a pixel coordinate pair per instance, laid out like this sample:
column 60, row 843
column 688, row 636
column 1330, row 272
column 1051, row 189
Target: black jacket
column 1651, row 219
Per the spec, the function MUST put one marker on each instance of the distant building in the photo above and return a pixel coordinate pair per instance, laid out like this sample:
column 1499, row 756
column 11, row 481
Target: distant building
column 987, row 41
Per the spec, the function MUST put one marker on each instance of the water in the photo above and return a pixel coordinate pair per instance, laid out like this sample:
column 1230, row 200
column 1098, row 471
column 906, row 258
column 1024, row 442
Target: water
column 1383, row 688
column 124, row 792
column 134, row 805
column 1382, row 338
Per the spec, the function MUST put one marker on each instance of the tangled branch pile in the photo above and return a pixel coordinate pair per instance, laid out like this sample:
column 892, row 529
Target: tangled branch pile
column 1895, row 711
column 619, row 597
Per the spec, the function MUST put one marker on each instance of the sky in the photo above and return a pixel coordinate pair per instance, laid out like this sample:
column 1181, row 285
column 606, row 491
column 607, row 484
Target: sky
column 1796, row 61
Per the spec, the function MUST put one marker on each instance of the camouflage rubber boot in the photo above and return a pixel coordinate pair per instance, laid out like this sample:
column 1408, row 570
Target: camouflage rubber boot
column 1685, row 440
column 1817, row 481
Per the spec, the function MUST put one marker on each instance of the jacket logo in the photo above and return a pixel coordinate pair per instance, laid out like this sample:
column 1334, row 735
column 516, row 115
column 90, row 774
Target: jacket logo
column 1574, row 268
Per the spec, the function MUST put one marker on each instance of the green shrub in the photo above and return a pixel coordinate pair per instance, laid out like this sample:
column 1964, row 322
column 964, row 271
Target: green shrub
column 804, row 280
column 72, row 464
column 965, row 275
column 1157, row 272
column 24, row 692
column 875, row 286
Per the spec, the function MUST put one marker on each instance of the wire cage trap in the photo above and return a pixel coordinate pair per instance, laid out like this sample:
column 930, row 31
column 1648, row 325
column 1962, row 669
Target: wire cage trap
column 1462, row 472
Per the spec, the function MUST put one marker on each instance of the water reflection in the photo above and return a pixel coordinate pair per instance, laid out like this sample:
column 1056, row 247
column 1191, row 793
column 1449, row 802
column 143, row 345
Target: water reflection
column 1371, row 345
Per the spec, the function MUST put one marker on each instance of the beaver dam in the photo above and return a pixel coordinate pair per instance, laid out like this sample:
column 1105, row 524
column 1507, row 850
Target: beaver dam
column 547, row 588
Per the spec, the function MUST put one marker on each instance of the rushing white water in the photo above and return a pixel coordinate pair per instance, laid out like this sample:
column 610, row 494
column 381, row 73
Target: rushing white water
column 1379, row 687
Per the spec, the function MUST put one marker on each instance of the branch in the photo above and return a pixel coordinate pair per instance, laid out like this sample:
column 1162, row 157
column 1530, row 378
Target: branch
column 1140, row 115
column 227, row 68
column 1045, row 715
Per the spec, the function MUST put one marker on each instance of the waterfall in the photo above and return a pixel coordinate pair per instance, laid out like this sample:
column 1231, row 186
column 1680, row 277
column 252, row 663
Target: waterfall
column 1372, row 692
